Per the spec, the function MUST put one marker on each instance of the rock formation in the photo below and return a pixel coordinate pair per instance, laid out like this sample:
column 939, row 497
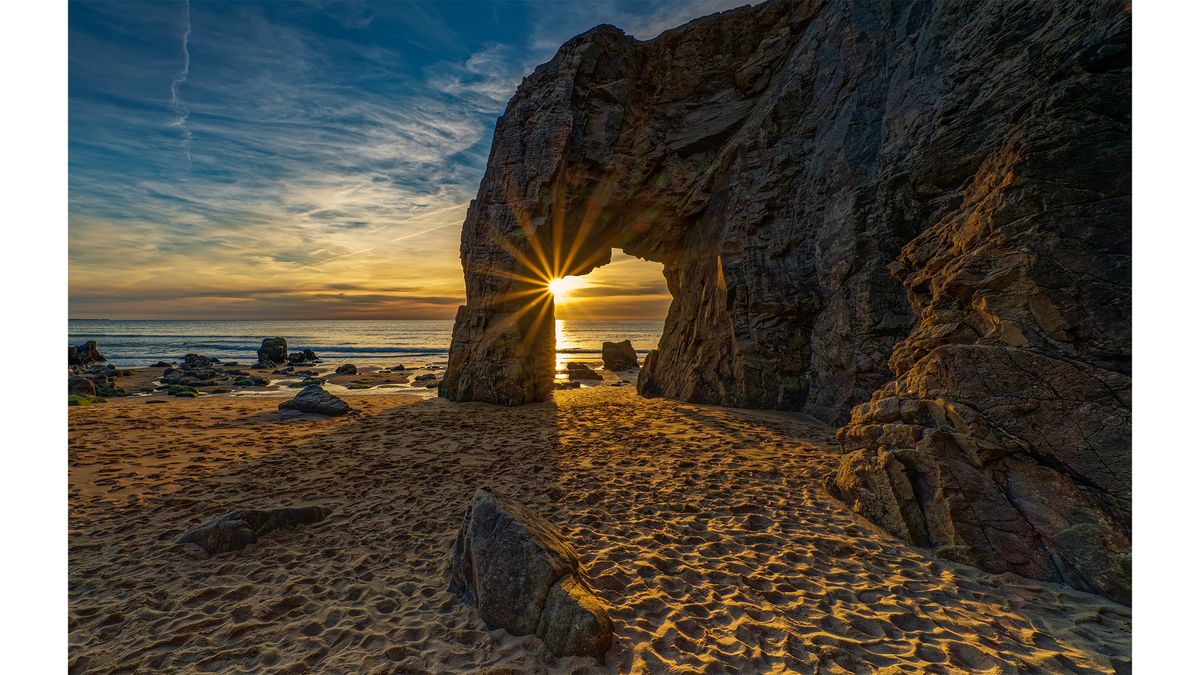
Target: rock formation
column 524, row 577
column 919, row 207
column 239, row 529
column 619, row 355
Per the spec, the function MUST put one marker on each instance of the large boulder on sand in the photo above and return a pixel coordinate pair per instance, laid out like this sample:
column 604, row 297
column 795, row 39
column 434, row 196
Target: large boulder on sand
column 314, row 399
column 619, row 355
column 524, row 577
column 239, row 529
column 273, row 351
column 346, row 369
column 84, row 354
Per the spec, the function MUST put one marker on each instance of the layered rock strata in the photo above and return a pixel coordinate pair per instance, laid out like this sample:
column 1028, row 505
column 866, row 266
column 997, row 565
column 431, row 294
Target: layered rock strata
column 923, row 206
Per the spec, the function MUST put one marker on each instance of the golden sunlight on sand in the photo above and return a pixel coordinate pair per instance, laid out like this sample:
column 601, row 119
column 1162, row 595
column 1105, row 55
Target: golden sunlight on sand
column 707, row 531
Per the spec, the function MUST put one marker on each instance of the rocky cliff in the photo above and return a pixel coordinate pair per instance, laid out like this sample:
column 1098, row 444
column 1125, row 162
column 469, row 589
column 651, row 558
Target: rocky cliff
column 908, row 218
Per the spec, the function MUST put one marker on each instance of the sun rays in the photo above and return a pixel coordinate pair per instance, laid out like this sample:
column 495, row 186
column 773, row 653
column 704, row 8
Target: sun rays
column 561, row 288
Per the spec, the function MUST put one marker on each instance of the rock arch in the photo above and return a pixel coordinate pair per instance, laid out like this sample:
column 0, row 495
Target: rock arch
column 908, row 218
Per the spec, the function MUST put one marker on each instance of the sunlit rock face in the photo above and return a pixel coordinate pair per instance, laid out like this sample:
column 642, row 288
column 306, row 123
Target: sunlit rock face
column 922, row 208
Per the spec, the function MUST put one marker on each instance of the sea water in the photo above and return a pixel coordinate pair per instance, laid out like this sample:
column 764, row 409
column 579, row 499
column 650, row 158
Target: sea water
column 382, row 343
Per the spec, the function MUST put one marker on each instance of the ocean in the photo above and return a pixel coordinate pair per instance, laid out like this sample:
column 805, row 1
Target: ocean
column 382, row 343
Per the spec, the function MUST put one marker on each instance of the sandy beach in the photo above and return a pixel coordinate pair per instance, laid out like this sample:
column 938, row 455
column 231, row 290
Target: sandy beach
column 708, row 532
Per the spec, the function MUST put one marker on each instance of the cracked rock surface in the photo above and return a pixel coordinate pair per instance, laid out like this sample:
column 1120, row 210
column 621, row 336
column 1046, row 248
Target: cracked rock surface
column 524, row 577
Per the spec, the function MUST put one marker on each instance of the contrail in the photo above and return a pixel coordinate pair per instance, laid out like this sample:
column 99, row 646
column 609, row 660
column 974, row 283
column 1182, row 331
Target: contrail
column 181, row 111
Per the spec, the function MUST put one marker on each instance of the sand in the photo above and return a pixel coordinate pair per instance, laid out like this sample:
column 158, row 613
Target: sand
column 707, row 531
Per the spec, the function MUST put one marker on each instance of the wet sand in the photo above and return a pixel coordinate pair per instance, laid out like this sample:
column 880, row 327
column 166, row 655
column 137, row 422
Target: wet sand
column 707, row 531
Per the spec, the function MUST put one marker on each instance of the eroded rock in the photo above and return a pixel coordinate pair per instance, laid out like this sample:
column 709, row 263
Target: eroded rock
column 524, row 577
column 239, row 529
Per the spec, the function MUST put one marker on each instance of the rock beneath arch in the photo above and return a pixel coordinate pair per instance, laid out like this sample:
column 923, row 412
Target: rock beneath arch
column 524, row 577
column 580, row 371
column 619, row 355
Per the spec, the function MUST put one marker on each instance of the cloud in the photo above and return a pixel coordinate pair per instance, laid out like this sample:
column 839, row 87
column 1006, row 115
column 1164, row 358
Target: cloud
column 323, row 153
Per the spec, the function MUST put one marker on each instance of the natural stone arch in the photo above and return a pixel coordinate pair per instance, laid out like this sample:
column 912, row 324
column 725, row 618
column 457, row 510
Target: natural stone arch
column 912, row 219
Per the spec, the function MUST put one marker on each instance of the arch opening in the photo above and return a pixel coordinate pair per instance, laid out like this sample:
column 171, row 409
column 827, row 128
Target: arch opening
column 624, row 299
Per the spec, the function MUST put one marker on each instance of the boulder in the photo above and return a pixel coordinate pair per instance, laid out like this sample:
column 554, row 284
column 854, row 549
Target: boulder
column 524, row 577
column 578, row 371
column 162, row 364
column 314, row 399
column 426, row 376
column 239, row 529
column 85, row 354
column 272, row 351
column 619, row 355
column 81, row 386
column 346, row 369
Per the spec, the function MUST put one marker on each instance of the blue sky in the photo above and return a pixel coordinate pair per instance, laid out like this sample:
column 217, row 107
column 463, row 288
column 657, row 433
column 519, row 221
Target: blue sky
column 293, row 160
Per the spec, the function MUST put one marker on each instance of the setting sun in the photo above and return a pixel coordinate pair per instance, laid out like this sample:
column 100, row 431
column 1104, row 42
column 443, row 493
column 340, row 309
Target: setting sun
column 560, row 288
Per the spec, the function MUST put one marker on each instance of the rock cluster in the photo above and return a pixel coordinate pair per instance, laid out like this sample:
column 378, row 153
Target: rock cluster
column 239, row 529
column 921, row 209
column 619, row 355
column 524, row 577
column 95, row 380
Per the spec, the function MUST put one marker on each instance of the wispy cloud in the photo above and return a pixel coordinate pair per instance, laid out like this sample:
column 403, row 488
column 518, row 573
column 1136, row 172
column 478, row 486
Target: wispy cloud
column 323, row 146
column 181, row 112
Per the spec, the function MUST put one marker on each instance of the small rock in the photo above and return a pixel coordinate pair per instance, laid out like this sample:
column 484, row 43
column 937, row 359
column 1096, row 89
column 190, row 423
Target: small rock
column 239, row 529
column 423, row 378
column 579, row 371
column 346, row 369
column 80, row 386
column 314, row 399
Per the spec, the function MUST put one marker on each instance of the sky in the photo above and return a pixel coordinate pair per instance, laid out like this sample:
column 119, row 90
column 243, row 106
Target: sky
column 308, row 160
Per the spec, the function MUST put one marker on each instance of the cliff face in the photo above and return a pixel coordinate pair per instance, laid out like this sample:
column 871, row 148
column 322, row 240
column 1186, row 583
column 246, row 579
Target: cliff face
column 919, row 209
